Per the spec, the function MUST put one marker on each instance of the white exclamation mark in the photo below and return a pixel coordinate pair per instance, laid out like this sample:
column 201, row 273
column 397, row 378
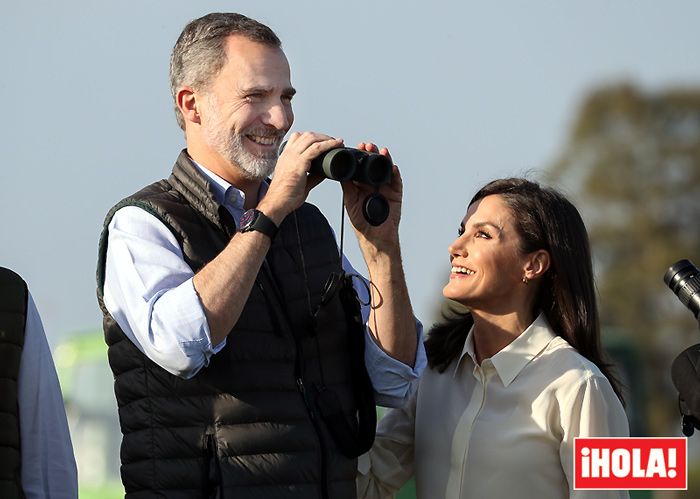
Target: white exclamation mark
column 671, row 468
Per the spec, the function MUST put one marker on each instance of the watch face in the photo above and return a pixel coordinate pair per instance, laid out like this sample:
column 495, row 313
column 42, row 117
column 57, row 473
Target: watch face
column 247, row 219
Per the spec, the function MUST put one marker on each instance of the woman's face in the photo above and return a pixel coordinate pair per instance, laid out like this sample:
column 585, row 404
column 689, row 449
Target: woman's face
column 487, row 264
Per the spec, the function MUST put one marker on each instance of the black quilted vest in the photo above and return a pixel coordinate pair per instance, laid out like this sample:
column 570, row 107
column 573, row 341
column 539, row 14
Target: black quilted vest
column 245, row 426
column 13, row 318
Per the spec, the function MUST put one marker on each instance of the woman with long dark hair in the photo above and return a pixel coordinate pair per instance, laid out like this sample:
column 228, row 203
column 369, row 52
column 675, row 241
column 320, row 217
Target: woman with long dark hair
column 514, row 380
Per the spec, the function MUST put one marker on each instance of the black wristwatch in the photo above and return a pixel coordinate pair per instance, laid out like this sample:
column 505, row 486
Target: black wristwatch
column 257, row 220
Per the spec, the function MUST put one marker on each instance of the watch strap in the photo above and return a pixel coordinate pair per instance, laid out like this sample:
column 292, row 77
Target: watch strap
column 259, row 222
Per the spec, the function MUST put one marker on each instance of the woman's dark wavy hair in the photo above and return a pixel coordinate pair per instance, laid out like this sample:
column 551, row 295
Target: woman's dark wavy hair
column 544, row 219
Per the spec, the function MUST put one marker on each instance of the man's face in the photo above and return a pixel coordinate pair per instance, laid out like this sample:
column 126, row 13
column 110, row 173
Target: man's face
column 248, row 107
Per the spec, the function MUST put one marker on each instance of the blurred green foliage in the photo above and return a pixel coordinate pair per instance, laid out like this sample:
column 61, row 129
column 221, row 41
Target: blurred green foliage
column 632, row 167
column 109, row 490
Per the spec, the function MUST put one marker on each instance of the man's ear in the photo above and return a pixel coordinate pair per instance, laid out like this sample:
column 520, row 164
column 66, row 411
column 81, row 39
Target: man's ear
column 188, row 104
column 537, row 264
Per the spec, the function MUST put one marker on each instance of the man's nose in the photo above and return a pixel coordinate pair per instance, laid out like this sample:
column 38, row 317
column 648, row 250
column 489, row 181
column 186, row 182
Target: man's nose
column 280, row 116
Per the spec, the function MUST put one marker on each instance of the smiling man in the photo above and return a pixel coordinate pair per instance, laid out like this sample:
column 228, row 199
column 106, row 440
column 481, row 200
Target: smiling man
column 237, row 370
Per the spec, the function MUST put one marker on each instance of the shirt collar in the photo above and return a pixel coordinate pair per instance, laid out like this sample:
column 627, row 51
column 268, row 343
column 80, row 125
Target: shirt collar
column 227, row 194
column 512, row 359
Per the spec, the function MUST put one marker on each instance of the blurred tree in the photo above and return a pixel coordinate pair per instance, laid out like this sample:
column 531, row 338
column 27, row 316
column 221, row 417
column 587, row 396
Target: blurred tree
column 632, row 167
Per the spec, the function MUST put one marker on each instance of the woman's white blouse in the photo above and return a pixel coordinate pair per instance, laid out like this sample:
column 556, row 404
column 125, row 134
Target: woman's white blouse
column 501, row 429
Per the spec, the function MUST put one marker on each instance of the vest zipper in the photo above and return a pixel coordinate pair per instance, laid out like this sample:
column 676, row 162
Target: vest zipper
column 213, row 487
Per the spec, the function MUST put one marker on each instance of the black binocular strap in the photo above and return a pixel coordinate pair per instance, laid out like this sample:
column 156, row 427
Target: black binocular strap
column 350, row 443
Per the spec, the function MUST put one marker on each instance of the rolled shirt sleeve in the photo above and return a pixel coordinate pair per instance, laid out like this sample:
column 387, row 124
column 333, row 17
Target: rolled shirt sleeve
column 392, row 378
column 149, row 292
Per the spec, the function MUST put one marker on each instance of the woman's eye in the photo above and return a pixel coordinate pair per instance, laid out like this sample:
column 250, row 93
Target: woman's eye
column 483, row 234
column 460, row 231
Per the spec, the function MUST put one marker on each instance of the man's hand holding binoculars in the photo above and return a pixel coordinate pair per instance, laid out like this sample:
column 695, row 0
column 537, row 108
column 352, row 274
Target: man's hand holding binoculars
column 367, row 175
column 290, row 185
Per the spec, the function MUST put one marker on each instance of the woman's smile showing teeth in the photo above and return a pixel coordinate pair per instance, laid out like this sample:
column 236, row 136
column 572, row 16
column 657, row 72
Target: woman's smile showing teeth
column 462, row 270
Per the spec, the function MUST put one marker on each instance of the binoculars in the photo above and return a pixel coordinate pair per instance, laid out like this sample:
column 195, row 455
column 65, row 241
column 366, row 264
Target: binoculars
column 346, row 163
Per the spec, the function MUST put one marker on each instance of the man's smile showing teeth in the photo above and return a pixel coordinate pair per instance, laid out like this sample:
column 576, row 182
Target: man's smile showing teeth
column 263, row 141
column 462, row 270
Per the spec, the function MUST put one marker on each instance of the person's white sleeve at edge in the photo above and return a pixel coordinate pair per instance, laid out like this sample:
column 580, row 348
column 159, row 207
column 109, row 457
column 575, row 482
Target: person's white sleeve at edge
column 48, row 465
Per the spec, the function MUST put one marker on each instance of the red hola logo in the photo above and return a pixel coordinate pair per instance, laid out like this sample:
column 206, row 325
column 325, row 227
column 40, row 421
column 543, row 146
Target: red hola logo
column 630, row 463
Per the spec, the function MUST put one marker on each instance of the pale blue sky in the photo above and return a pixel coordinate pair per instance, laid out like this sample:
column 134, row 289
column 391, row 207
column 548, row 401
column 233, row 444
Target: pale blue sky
column 461, row 92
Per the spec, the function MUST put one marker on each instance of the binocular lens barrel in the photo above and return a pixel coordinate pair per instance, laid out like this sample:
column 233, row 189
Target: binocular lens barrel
column 374, row 169
column 336, row 164
column 684, row 280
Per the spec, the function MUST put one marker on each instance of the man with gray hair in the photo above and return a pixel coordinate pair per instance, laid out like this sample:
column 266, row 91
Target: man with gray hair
column 240, row 355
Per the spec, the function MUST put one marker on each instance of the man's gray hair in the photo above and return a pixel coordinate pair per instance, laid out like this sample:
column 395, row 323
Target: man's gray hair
column 200, row 51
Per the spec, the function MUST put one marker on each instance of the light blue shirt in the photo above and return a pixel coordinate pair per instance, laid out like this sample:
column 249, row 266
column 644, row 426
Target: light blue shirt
column 149, row 292
column 48, row 465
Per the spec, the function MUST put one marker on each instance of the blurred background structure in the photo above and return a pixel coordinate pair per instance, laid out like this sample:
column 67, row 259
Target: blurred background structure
column 599, row 98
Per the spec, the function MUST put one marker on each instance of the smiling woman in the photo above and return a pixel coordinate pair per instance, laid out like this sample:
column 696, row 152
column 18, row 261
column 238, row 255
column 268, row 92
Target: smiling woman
column 488, row 263
column 516, row 379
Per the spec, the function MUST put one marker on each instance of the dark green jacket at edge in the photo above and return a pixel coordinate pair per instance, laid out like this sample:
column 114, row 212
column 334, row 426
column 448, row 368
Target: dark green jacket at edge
column 13, row 320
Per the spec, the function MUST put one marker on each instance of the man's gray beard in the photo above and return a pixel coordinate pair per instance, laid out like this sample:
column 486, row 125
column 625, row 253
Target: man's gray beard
column 230, row 146
column 253, row 167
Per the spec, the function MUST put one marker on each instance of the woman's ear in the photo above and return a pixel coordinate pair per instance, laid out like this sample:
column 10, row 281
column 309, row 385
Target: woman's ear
column 537, row 264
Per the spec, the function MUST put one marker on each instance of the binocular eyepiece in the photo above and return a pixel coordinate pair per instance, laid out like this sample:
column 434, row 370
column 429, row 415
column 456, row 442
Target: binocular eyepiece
column 346, row 163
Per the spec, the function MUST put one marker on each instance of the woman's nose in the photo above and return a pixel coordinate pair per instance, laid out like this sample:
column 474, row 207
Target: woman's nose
column 457, row 248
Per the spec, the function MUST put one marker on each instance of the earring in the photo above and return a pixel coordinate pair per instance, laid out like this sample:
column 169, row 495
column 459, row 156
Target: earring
column 526, row 281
